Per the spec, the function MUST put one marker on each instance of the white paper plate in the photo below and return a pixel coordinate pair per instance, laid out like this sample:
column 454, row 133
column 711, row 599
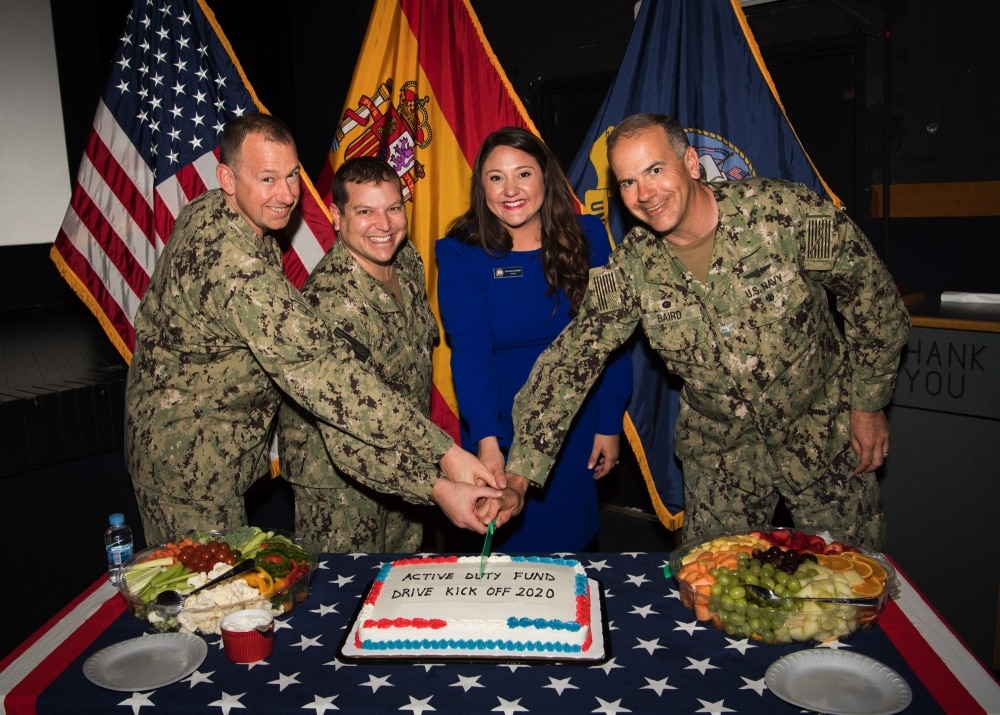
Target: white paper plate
column 596, row 652
column 838, row 682
column 146, row 663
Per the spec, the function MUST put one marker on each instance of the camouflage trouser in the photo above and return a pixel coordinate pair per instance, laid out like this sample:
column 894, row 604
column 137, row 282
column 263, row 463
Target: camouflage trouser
column 840, row 503
column 346, row 520
column 165, row 517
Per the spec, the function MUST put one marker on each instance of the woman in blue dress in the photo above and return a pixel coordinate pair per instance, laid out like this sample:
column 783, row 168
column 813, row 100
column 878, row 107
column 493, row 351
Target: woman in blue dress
column 512, row 272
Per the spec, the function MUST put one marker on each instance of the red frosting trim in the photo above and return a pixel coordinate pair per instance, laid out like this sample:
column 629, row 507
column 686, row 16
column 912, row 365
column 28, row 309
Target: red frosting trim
column 405, row 623
column 430, row 560
column 375, row 591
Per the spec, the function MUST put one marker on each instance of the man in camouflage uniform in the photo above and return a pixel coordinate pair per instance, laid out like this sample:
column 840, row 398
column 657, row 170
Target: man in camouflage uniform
column 370, row 289
column 221, row 334
column 729, row 282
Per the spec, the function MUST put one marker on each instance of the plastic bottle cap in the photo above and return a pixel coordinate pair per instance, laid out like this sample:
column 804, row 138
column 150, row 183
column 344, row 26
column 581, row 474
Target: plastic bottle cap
column 116, row 519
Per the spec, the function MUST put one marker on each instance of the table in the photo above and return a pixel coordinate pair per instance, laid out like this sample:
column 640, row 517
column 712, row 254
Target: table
column 661, row 660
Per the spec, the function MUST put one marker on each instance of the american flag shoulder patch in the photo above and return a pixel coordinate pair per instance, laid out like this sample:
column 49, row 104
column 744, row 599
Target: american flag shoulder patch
column 820, row 241
column 606, row 290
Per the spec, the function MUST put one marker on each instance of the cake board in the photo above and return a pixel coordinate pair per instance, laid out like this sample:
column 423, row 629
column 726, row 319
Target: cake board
column 599, row 652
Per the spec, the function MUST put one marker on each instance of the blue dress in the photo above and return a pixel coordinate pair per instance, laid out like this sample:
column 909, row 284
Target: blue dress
column 499, row 320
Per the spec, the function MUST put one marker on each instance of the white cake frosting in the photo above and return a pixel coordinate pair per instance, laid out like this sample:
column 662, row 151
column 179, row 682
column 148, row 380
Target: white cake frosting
column 521, row 603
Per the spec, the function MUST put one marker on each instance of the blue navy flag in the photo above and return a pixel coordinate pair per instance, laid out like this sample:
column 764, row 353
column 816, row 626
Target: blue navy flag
column 697, row 61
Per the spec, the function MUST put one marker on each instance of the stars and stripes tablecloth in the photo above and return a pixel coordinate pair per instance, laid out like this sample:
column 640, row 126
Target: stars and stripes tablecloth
column 660, row 660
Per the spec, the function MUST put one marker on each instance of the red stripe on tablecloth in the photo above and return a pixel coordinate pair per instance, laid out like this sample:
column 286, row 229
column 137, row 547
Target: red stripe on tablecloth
column 68, row 639
column 920, row 655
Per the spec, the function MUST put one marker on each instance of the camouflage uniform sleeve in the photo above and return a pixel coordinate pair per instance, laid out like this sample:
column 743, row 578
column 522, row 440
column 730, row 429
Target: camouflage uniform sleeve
column 316, row 369
column 876, row 323
column 566, row 370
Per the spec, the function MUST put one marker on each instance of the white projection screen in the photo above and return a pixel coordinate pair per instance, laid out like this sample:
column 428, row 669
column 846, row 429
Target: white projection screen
column 35, row 181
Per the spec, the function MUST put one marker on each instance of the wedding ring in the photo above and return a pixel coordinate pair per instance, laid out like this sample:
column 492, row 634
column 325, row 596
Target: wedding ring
column 885, row 454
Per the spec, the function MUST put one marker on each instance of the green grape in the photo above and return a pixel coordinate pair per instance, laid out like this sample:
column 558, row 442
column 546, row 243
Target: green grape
column 752, row 578
column 737, row 593
column 793, row 585
column 717, row 589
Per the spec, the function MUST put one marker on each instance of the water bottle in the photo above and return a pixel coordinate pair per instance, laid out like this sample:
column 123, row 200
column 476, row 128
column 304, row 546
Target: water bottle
column 118, row 542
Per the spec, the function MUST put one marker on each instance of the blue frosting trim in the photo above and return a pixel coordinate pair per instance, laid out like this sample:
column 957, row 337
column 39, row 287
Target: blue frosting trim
column 553, row 624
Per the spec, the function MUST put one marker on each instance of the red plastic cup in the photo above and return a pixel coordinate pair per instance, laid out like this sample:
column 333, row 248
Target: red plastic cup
column 248, row 635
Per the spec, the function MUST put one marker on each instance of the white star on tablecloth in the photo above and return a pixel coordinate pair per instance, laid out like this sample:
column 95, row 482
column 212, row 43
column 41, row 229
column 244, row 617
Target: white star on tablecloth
column 326, row 608
column 689, row 628
column 427, row 666
column 321, row 705
column 509, row 706
column 609, row 708
column 308, row 642
column 513, row 666
column 560, row 684
column 283, row 681
column 466, row 683
column 700, row 665
column 228, row 702
column 419, row 706
column 137, row 700
column 673, row 593
column 199, row 677
column 338, row 664
column 634, row 554
column 741, row 645
column 758, row 686
column 597, row 565
column 342, row 580
column 833, row 645
column 376, row 682
column 716, row 708
column 657, row 686
column 254, row 664
column 637, row 579
column 649, row 646
column 280, row 624
column 607, row 666
column 644, row 611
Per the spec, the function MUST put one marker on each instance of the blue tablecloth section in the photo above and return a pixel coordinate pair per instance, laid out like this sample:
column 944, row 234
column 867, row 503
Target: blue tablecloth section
column 661, row 660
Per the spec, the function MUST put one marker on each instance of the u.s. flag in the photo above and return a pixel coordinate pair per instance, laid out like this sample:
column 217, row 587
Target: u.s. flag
column 426, row 91
column 697, row 61
column 153, row 147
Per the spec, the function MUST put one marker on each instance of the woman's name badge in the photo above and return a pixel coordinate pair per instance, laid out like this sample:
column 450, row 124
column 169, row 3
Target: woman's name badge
column 512, row 272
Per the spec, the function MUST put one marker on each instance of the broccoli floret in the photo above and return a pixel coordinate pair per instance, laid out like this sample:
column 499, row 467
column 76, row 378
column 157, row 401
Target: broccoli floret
column 238, row 538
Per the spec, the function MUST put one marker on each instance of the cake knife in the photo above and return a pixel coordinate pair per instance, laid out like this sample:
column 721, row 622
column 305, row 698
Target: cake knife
column 486, row 548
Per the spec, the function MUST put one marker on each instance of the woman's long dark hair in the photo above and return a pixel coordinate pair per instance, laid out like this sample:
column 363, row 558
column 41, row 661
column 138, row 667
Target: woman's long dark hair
column 565, row 250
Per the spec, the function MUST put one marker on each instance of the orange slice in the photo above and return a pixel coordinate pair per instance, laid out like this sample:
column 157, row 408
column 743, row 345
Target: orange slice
column 878, row 572
column 871, row 587
column 838, row 563
column 863, row 568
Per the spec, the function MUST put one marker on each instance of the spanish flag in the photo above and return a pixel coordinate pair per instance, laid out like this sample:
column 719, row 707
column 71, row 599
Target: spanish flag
column 426, row 91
